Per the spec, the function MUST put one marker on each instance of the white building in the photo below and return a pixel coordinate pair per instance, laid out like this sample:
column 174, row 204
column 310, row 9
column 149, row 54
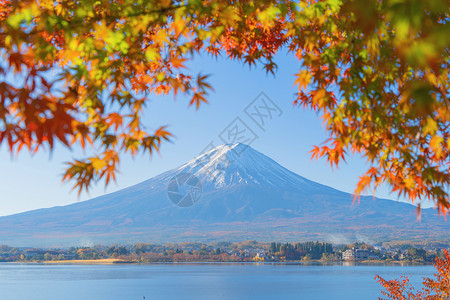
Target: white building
column 355, row 254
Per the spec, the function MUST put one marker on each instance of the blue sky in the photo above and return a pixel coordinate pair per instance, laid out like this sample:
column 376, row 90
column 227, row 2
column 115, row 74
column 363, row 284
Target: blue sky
column 35, row 182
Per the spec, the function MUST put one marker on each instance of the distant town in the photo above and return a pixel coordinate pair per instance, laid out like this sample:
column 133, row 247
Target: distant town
column 248, row 251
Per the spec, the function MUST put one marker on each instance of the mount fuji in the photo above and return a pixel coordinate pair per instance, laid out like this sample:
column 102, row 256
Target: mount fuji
column 232, row 192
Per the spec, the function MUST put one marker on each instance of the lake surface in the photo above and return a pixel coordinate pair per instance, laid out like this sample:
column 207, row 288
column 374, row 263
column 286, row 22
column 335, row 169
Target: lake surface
column 198, row 281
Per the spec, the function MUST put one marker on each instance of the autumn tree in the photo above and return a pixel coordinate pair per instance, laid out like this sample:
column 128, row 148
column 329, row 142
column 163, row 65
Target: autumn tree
column 375, row 70
column 437, row 288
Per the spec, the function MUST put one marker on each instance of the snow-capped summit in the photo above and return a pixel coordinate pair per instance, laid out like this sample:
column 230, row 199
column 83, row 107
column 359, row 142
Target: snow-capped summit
column 238, row 163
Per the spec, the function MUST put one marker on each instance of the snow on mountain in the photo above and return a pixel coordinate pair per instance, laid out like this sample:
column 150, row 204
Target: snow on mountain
column 233, row 164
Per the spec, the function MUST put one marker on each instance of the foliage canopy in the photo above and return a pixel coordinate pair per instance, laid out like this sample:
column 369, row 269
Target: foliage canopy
column 376, row 70
column 437, row 288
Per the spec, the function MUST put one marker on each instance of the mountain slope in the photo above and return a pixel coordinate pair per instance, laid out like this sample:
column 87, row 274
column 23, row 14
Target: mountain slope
column 229, row 193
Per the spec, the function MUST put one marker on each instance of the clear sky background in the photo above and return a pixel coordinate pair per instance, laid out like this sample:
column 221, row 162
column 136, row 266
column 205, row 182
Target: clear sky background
column 31, row 182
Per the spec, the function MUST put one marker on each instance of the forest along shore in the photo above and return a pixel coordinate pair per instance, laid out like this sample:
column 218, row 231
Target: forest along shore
column 248, row 251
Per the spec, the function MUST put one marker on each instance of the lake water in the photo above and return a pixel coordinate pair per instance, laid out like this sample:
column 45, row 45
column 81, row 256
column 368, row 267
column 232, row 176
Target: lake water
column 198, row 281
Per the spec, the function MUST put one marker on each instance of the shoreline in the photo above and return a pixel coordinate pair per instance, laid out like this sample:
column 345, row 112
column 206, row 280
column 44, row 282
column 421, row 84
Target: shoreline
column 117, row 261
column 105, row 261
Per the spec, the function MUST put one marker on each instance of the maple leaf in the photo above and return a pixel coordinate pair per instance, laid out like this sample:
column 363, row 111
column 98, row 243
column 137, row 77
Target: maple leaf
column 381, row 95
